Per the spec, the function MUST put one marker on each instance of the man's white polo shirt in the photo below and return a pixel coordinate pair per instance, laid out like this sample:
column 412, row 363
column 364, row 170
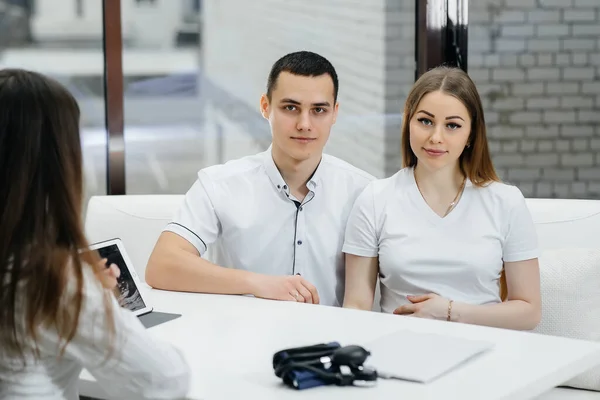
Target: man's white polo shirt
column 245, row 212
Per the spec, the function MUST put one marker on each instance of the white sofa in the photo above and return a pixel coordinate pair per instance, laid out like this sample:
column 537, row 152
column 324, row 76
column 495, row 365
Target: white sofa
column 139, row 220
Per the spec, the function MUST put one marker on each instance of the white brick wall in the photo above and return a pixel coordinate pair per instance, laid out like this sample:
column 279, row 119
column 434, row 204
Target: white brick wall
column 371, row 45
column 546, row 137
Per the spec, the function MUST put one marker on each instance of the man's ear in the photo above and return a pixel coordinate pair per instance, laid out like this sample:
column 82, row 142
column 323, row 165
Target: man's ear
column 335, row 111
column 265, row 106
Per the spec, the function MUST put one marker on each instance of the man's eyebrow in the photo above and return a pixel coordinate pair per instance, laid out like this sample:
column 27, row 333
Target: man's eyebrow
column 288, row 100
column 291, row 101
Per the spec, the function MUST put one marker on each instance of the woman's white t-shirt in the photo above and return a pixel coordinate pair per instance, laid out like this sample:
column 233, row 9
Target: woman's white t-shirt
column 459, row 257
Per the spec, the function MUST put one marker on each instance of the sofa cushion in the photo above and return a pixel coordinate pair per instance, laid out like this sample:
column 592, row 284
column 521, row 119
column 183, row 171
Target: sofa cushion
column 137, row 220
column 570, row 282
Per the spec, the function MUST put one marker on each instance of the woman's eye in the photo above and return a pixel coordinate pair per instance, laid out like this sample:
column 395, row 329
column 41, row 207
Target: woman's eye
column 452, row 126
column 425, row 121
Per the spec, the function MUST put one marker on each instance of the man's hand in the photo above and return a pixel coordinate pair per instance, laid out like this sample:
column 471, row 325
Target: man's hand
column 288, row 288
column 107, row 275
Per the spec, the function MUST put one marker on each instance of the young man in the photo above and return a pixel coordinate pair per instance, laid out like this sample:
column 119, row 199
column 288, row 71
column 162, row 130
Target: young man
column 274, row 221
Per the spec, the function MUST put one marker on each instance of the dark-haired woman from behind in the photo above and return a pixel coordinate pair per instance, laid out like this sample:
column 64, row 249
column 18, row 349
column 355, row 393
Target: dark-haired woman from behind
column 58, row 314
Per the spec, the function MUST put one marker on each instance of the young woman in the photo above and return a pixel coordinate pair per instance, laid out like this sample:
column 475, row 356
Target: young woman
column 448, row 240
column 57, row 312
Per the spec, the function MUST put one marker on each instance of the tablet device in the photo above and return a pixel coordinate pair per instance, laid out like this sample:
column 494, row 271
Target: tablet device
column 130, row 292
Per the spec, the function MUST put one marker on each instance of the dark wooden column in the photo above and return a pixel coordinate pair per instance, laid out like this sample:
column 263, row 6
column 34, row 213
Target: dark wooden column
column 441, row 34
column 113, row 97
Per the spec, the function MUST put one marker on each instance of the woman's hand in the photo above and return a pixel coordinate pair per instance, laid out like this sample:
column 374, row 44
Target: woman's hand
column 107, row 275
column 429, row 306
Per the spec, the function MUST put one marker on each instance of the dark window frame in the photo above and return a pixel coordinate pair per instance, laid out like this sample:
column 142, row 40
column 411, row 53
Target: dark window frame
column 113, row 97
column 442, row 34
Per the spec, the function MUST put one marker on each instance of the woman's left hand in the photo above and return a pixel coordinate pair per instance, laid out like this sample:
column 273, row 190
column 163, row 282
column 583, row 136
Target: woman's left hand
column 430, row 306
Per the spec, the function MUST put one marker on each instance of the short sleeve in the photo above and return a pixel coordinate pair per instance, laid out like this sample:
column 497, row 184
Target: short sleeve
column 197, row 221
column 361, row 236
column 521, row 239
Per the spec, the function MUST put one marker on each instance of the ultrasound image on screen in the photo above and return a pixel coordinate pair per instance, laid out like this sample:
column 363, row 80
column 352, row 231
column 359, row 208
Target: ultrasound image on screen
column 129, row 296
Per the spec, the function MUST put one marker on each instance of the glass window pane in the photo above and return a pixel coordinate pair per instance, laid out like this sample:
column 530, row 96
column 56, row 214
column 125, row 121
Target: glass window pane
column 536, row 66
column 193, row 81
column 63, row 39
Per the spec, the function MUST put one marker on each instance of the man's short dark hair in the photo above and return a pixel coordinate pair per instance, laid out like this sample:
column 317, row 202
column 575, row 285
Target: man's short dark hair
column 303, row 63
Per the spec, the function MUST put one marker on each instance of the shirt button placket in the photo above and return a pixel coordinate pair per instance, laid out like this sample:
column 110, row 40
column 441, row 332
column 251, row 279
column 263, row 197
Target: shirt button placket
column 300, row 241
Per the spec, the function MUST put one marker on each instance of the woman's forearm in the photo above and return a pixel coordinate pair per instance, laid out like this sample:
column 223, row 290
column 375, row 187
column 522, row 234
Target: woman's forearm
column 512, row 314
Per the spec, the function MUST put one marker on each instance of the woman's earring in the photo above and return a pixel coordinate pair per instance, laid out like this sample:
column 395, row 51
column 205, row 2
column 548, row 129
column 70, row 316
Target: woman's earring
column 468, row 145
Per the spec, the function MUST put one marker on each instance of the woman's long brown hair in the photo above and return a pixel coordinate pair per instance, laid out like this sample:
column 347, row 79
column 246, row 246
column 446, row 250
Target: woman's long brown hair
column 41, row 229
column 475, row 162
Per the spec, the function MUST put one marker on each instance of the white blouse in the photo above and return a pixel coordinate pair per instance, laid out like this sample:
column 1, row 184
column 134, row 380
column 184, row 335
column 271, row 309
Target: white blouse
column 140, row 367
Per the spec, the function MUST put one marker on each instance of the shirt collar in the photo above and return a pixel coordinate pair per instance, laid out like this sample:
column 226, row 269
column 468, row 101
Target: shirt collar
column 277, row 180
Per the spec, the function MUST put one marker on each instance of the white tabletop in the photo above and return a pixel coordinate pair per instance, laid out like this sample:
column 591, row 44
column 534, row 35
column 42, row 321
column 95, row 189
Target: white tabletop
column 230, row 341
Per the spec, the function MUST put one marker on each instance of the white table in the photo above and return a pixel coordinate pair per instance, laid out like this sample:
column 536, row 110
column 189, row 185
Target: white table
column 230, row 340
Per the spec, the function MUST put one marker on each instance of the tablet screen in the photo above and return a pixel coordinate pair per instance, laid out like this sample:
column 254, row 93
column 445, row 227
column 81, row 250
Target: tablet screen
column 129, row 295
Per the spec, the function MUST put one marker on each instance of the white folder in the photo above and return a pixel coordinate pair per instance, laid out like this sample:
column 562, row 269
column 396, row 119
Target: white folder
column 420, row 357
